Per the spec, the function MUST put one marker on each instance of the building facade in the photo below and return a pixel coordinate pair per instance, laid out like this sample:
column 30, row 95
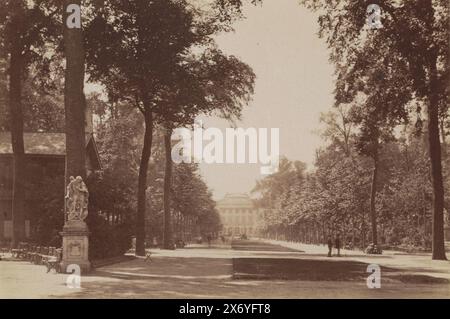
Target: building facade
column 239, row 216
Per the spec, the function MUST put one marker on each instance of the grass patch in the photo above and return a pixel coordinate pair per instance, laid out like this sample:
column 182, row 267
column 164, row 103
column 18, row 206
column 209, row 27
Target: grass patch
column 298, row 269
column 249, row 245
column 419, row 279
column 275, row 268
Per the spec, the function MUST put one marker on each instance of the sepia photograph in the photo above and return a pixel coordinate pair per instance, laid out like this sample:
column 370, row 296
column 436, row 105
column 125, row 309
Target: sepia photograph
column 245, row 152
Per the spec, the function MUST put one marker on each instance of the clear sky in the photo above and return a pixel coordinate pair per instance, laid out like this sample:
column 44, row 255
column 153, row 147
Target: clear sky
column 294, row 84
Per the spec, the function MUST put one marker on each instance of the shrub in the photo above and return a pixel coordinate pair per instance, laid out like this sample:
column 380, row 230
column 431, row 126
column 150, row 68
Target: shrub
column 107, row 240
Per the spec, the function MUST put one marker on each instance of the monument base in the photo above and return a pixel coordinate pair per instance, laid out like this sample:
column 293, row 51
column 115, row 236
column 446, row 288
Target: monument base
column 75, row 247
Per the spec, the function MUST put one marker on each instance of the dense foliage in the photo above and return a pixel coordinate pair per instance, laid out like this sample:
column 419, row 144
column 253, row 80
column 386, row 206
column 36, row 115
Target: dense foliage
column 114, row 188
column 334, row 197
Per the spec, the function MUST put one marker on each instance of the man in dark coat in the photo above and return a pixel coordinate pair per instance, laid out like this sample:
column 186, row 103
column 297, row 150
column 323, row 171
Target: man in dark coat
column 337, row 244
column 330, row 245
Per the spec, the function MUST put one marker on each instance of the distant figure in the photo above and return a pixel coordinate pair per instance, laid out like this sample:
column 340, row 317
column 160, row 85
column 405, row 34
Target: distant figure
column 330, row 245
column 209, row 239
column 337, row 244
column 223, row 239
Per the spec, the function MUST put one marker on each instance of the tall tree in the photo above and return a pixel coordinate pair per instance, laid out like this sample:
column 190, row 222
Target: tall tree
column 168, row 242
column 376, row 110
column 205, row 83
column 16, row 69
column 74, row 99
column 338, row 127
column 136, row 50
column 132, row 47
column 25, row 26
column 373, row 133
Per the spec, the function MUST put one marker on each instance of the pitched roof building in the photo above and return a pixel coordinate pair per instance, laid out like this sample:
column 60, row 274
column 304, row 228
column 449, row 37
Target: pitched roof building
column 45, row 158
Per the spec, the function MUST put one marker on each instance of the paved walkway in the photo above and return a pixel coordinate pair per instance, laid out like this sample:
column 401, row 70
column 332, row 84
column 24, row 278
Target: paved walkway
column 202, row 272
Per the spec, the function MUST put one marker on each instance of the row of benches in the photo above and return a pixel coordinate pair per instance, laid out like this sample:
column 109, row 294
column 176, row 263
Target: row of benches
column 39, row 255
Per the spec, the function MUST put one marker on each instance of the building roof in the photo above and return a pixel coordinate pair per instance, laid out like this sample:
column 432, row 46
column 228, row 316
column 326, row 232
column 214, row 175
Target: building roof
column 235, row 200
column 41, row 143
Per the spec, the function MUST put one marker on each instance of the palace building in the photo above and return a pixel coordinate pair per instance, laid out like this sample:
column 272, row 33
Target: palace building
column 239, row 216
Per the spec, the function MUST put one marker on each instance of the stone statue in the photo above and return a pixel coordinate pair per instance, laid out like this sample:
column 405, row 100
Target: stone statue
column 77, row 196
column 69, row 196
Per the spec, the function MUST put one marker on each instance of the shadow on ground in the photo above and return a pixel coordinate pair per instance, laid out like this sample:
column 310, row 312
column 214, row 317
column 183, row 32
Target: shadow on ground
column 259, row 246
column 320, row 270
column 299, row 269
column 307, row 267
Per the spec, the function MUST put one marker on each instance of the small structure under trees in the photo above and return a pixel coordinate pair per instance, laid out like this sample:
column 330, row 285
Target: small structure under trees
column 44, row 158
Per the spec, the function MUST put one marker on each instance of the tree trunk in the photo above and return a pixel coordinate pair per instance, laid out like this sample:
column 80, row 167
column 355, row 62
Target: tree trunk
column 16, row 68
column 438, row 245
column 353, row 234
column 142, row 183
column 168, row 235
column 373, row 194
column 74, row 99
column 444, row 140
column 363, row 229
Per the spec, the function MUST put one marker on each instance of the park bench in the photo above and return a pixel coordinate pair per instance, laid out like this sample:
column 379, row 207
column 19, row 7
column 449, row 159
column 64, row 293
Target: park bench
column 4, row 247
column 30, row 253
column 39, row 255
column 53, row 259
column 20, row 251
column 47, row 256
column 179, row 243
column 34, row 254
column 148, row 257
column 43, row 255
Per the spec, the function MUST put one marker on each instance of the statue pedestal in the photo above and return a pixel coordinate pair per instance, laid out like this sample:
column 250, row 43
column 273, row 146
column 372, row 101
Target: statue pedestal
column 75, row 246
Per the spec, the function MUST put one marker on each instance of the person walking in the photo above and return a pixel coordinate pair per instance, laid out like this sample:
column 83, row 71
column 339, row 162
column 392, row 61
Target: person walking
column 330, row 245
column 337, row 245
